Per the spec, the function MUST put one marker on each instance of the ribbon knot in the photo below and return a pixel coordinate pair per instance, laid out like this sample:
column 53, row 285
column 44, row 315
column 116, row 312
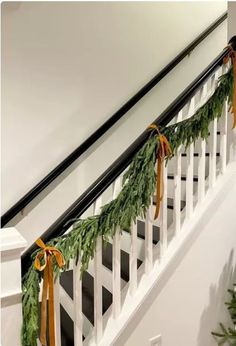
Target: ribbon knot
column 163, row 151
column 232, row 55
column 47, row 254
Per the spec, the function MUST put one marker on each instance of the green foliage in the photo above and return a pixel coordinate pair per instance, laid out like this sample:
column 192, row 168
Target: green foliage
column 228, row 335
column 135, row 197
column 30, row 308
column 131, row 202
column 189, row 130
column 232, row 305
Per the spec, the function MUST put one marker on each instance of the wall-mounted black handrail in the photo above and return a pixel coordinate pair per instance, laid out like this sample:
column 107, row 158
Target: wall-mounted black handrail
column 95, row 190
column 82, row 148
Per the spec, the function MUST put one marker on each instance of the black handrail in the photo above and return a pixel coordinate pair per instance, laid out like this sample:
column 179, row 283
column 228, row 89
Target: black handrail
column 95, row 190
column 82, row 148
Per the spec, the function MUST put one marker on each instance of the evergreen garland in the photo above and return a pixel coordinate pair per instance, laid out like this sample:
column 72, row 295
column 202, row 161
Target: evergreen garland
column 132, row 202
column 188, row 131
column 228, row 335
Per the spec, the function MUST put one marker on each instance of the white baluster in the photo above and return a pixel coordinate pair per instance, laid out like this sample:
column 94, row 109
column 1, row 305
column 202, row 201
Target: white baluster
column 77, row 293
column 213, row 142
column 116, row 267
column 223, row 133
column 57, row 312
column 212, row 153
column 202, row 158
column 189, row 171
column 116, row 282
column 177, row 184
column 133, row 259
column 163, row 215
column 98, row 319
column 148, row 239
column 223, row 137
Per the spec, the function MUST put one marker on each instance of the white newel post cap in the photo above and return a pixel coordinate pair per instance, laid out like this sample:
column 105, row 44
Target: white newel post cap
column 12, row 245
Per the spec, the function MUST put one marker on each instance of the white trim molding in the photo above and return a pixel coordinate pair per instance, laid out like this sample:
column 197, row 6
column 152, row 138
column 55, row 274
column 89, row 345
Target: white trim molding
column 12, row 245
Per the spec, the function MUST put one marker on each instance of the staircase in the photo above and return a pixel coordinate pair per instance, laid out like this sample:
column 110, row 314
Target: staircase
column 94, row 309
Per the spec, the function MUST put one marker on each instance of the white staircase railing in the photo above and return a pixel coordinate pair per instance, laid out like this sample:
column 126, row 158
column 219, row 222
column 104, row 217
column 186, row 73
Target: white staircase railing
column 194, row 173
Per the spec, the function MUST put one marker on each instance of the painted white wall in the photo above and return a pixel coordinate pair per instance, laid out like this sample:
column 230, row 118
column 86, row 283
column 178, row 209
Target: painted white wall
column 67, row 67
column 189, row 303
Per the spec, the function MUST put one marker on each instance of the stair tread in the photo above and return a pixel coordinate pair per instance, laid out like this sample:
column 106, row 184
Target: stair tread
column 87, row 292
column 197, row 154
column 170, row 203
column 88, row 297
column 183, row 177
column 67, row 328
column 124, row 259
column 141, row 231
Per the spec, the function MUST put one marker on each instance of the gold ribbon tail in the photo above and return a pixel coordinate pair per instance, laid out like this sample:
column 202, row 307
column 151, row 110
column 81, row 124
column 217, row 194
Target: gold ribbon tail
column 159, row 187
column 51, row 303
column 163, row 152
column 43, row 324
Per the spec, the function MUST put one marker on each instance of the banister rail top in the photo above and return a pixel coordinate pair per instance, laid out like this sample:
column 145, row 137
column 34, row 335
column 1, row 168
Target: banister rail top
column 82, row 148
column 95, row 190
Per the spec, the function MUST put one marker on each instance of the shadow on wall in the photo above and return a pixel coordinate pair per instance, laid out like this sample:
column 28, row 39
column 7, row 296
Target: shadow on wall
column 216, row 311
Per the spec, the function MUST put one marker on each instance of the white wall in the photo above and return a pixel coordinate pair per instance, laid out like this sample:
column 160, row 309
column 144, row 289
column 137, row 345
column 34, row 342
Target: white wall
column 190, row 303
column 66, row 67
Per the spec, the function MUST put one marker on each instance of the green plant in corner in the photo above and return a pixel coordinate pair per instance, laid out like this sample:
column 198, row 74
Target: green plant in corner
column 227, row 335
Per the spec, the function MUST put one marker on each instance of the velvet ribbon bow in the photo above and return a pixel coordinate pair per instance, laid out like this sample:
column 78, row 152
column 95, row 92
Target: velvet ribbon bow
column 163, row 151
column 44, row 262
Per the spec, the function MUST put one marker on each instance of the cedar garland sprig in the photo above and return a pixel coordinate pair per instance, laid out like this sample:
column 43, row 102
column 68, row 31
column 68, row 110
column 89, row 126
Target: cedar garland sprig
column 189, row 130
column 132, row 202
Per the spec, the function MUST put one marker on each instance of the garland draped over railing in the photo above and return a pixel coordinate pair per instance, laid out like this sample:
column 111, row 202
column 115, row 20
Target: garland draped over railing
column 133, row 201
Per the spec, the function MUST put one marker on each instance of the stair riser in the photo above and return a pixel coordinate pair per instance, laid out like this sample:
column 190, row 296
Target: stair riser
column 184, row 164
column 126, row 245
column 106, row 276
column 171, row 164
column 171, row 189
column 169, row 217
column 197, row 145
column 126, row 239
